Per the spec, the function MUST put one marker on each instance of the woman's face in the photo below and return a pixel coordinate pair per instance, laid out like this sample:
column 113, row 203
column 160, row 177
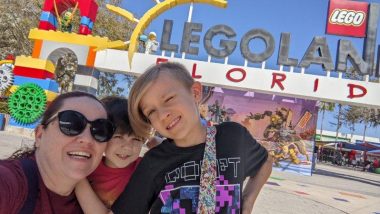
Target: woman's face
column 122, row 150
column 70, row 157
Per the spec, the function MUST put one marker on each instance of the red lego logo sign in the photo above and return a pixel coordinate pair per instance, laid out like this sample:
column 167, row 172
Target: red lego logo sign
column 347, row 18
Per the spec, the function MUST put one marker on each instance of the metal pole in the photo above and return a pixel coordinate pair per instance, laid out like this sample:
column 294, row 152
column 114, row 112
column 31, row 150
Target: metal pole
column 189, row 17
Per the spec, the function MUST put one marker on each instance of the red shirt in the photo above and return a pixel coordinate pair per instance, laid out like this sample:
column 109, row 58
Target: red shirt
column 109, row 183
column 376, row 164
column 14, row 189
column 352, row 155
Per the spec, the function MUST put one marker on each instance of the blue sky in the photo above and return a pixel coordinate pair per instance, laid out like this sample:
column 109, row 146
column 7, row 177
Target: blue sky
column 303, row 19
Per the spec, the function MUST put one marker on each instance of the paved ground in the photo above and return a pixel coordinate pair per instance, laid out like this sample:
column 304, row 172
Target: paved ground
column 9, row 142
column 330, row 190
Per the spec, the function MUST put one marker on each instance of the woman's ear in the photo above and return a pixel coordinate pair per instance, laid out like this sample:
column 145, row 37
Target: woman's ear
column 38, row 135
column 196, row 90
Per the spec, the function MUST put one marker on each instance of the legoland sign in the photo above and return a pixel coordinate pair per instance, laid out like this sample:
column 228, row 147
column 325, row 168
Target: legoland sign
column 345, row 18
column 299, row 85
column 252, row 79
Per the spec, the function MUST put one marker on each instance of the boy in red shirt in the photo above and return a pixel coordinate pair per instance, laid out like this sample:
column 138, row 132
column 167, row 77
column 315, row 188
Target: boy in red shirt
column 120, row 161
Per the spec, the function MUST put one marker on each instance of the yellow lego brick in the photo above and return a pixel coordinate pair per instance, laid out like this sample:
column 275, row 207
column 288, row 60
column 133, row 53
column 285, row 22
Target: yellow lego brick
column 5, row 61
column 164, row 6
column 216, row 3
column 177, row 2
column 120, row 11
column 116, row 45
column 71, row 38
column 30, row 62
column 49, row 94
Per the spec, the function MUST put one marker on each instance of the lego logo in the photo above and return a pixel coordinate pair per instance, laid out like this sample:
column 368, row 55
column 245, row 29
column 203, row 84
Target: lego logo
column 347, row 17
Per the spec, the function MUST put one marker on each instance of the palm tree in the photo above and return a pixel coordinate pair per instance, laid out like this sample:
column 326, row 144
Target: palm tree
column 339, row 123
column 370, row 118
column 351, row 116
column 323, row 107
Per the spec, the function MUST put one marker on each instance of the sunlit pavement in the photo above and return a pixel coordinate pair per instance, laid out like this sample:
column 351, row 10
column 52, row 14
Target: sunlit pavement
column 330, row 190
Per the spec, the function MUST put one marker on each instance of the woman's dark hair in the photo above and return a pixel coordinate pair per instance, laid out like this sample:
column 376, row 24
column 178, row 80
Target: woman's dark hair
column 23, row 152
column 49, row 112
column 117, row 109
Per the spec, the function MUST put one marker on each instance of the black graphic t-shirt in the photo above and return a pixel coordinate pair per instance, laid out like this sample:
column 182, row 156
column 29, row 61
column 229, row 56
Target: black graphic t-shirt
column 167, row 179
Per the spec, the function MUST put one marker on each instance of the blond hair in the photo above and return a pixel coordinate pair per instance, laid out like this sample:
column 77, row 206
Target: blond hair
column 140, row 123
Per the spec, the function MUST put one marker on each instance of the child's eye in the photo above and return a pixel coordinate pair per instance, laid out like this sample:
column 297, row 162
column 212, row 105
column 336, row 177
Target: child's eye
column 117, row 136
column 169, row 99
column 150, row 113
column 138, row 140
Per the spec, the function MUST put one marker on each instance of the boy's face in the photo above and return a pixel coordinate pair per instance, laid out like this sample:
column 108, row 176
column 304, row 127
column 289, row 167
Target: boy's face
column 122, row 150
column 203, row 110
column 172, row 108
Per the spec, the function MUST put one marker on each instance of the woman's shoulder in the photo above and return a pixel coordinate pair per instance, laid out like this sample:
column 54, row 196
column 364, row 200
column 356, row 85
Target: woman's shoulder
column 13, row 184
column 9, row 167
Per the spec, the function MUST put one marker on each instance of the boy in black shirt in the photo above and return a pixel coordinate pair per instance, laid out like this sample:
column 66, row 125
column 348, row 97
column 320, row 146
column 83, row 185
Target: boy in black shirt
column 167, row 180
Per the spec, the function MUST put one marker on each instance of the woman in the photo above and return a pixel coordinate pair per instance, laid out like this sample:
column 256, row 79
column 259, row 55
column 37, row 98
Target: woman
column 69, row 145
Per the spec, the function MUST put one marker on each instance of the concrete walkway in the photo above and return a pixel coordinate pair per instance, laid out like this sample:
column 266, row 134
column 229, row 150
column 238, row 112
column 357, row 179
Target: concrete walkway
column 10, row 142
column 330, row 190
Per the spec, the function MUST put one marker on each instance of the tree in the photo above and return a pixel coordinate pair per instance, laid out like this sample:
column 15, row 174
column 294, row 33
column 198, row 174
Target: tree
column 351, row 116
column 109, row 87
column 339, row 122
column 369, row 117
column 323, row 107
column 129, row 80
column 15, row 27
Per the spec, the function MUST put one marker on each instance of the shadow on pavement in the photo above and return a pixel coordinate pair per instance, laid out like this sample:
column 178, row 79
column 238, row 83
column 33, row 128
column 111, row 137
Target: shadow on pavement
column 348, row 177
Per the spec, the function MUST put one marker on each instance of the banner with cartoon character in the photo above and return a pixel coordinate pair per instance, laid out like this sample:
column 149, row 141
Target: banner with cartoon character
column 284, row 126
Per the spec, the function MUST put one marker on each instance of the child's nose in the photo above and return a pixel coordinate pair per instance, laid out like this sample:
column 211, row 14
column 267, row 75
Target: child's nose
column 163, row 113
column 126, row 145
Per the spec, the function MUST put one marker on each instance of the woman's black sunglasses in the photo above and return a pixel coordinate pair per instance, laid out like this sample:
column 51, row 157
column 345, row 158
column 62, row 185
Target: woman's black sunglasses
column 72, row 123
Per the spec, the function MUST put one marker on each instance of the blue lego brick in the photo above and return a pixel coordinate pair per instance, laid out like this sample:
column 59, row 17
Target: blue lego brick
column 86, row 21
column 13, row 122
column 49, row 17
column 46, row 84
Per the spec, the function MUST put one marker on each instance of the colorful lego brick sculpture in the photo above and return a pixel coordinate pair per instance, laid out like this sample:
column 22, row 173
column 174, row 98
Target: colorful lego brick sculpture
column 32, row 90
column 87, row 9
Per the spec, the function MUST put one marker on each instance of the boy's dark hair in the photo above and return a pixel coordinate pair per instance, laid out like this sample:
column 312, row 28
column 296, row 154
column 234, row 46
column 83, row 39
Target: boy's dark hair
column 117, row 109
